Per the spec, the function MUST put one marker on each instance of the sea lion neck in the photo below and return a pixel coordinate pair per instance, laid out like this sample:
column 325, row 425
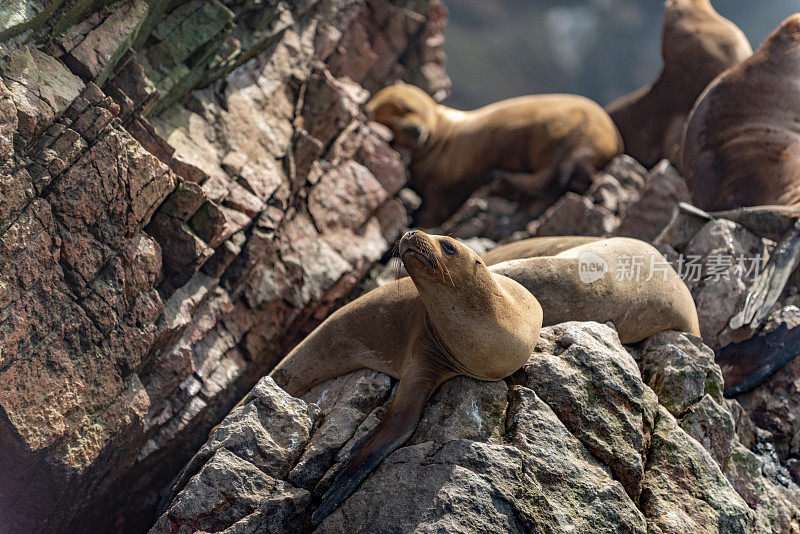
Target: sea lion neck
column 445, row 121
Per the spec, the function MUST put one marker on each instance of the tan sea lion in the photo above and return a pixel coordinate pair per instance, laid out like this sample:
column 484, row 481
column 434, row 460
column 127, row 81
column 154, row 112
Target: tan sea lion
column 639, row 292
column 452, row 317
column 697, row 44
column 742, row 148
column 540, row 139
column 455, row 316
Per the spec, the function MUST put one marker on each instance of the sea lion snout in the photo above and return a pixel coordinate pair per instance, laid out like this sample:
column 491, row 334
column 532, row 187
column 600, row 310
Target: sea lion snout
column 417, row 247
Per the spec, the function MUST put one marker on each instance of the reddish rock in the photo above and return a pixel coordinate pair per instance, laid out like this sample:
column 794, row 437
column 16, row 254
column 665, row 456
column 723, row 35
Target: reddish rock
column 8, row 122
column 158, row 266
column 95, row 51
column 41, row 88
column 775, row 406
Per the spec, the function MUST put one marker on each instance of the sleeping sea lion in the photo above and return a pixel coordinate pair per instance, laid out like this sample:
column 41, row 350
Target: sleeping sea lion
column 697, row 44
column 456, row 316
column 540, row 140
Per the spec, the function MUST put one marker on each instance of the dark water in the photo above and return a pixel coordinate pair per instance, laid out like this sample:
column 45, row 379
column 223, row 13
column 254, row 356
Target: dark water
column 598, row 48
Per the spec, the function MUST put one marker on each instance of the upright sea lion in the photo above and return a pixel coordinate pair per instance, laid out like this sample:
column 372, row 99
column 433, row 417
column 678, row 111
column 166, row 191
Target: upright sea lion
column 452, row 317
column 742, row 148
column 548, row 138
column 456, row 316
column 742, row 140
column 697, row 44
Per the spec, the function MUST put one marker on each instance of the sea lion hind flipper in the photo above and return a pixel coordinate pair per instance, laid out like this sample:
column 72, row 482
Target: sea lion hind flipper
column 686, row 221
column 748, row 364
column 399, row 423
column 755, row 305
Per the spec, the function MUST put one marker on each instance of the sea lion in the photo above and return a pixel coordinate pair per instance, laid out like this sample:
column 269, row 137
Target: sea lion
column 742, row 140
column 455, row 316
column 452, row 317
column 697, row 44
column 540, row 140
column 742, row 148
column 638, row 291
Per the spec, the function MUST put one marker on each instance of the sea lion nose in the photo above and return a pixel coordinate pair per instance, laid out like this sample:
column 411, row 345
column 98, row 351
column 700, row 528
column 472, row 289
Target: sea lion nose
column 411, row 233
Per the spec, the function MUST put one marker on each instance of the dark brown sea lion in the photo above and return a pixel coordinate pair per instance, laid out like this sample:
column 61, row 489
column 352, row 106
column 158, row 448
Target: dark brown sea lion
column 456, row 316
column 697, row 44
column 742, row 141
column 547, row 138
column 742, row 148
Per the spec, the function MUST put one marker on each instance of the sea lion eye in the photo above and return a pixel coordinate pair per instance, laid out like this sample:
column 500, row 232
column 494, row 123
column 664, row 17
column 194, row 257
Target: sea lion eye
column 448, row 248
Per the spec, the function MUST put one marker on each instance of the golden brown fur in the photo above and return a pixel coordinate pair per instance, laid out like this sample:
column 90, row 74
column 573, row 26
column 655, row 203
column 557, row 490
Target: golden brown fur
column 552, row 136
column 454, row 316
column 638, row 304
column 697, row 45
column 742, row 140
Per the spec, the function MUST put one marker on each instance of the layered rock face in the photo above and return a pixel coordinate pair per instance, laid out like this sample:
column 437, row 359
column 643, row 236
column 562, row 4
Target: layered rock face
column 183, row 187
column 188, row 187
column 586, row 436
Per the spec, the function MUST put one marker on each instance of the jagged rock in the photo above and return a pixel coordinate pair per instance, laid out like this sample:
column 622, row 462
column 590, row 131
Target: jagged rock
column 8, row 123
column 664, row 189
column 726, row 258
column 678, row 462
column 593, row 385
column 745, row 429
column 575, row 215
column 775, row 406
column 40, row 86
column 777, row 506
column 95, row 49
column 496, row 212
column 681, row 371
column 344, row 401
column 712, row 426
column 552, row 448
column 230, row 492
column 168, row 238
column 677, row 366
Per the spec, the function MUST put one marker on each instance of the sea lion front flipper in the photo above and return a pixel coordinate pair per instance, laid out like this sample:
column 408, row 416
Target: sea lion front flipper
column 413, row 390
column 529, row 184
column 768, row 286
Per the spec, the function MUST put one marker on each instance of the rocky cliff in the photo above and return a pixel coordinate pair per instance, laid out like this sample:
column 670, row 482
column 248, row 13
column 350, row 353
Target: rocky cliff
column 183, row 187
column 188, row 187
column 588, row 436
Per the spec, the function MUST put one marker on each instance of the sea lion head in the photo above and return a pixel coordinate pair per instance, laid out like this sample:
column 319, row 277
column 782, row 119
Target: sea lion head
column 488, row 323
column 687, row 4
column 786, row 38
column 407, row 110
